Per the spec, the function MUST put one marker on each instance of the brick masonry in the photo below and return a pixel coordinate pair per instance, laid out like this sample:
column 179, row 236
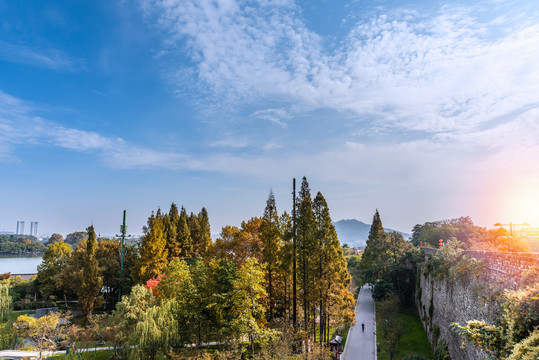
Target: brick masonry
column 468, row 298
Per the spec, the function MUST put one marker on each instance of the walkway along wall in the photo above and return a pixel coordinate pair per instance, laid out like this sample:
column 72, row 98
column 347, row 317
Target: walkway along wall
column 460, row 296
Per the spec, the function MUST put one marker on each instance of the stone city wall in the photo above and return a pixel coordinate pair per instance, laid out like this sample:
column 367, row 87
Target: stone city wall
column 444, row 300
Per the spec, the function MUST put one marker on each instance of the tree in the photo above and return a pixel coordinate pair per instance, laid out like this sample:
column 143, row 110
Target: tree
column 204, row 242
column 5, row 302
column 108, row 259
column 155, row 332
column 76, row 237
column 392, row 328
column 247, row 296
column 331, row 275
column 171, row 228
column 239, row 244
column 90, row 282
column 305, row 225
column 185, row 242
column 55, row 259
column 54, row 238
column 373, row 244
column 199, row 247
column 270, row 236
column 42, row 331
column 153, row 251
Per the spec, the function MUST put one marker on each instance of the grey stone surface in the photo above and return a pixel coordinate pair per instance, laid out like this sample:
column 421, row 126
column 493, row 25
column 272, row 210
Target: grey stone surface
column 360, row 344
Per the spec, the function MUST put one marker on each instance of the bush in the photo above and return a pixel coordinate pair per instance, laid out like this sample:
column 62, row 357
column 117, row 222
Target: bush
column 441, row 352
column 416, row 357
column 381, row 289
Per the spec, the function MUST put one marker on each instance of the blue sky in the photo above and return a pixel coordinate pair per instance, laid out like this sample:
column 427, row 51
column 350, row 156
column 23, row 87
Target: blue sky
column 425, row 110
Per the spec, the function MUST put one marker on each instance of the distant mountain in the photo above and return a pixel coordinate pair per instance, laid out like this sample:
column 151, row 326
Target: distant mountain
column 355, row 233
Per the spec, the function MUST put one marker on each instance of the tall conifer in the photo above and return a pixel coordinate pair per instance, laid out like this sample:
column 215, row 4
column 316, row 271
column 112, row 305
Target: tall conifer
column 270, row 234
column 306, row 241
column 89, row 283
column 184, row 235
column 205, row 232
column 153, row 250
column 194, row 230
column 376, row 235
column 171, row 229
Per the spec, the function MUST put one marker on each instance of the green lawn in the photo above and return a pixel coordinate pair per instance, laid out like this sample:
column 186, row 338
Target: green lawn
column 414, row 341
column 99, row 355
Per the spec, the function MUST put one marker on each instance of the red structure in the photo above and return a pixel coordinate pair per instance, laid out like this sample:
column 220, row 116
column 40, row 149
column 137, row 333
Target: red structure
column 441, row 243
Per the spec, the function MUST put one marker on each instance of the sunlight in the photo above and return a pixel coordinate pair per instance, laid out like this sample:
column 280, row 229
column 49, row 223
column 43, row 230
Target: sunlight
column 522, row 202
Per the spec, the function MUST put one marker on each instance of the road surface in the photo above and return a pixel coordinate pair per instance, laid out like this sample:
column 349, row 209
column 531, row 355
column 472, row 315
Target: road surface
column 360, row 344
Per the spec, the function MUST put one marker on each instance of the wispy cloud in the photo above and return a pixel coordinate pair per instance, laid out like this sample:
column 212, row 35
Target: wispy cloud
column 448, row 71
column 276, row 116
column 19, row 127
column 46, row 58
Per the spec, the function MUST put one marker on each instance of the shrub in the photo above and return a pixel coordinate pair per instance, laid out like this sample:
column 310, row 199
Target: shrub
column 441, row 352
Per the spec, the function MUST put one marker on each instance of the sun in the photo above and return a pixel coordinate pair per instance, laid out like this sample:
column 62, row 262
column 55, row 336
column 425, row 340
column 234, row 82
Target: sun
column 522, row 202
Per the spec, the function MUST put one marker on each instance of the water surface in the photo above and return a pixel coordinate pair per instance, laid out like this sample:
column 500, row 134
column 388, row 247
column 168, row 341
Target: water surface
column 19, row 264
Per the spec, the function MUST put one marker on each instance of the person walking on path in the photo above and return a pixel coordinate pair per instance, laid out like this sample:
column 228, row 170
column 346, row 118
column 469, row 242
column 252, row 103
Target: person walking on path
column 360, row 345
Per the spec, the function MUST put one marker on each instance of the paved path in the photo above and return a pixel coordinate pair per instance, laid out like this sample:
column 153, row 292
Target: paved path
column 360, row 345
column 22, row 354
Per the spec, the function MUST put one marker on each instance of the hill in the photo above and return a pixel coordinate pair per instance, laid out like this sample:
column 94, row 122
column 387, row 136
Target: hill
column 355, row 233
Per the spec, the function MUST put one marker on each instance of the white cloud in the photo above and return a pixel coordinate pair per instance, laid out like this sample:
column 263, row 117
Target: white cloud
column 19, row 127
column 439, row 73
column 276, row 116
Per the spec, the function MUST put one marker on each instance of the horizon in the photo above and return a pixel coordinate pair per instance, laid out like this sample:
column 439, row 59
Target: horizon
column 421, row 109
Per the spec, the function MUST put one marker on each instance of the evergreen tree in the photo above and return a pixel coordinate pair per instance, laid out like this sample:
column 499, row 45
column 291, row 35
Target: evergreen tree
column 305, row 225
column 90, row 282
column 270, row 236
column 194, row 230
column 285, row 270
column 153, row 250
column 205, row 232
column 185, row 242
column 376, row 235
column 171, row 228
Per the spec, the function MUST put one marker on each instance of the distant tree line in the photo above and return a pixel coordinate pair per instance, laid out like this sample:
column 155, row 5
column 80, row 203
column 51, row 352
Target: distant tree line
column 20, row 244
column 471, row 236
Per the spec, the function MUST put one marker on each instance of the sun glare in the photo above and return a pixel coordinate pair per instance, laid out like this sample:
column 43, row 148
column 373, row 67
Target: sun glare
column 522, row 203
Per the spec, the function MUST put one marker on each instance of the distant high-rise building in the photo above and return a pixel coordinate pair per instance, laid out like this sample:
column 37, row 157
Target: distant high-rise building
column 22, row 228
column 18, row 224
column 35, row 229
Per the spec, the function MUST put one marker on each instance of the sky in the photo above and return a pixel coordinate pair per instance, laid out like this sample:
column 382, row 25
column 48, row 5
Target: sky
column 424, row 110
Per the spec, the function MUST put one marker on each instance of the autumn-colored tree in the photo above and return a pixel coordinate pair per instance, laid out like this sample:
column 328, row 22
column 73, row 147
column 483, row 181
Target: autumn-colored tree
column 89, row 281
column 239, row 244
column 42, row 331
column 54, row 238
column 55, row 259
column 153, row 251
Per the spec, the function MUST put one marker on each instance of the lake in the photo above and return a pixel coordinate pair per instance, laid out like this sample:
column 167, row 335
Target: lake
column 19, row 264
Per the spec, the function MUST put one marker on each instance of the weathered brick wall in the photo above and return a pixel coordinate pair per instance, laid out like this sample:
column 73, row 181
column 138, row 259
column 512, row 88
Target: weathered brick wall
column 443, row 301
